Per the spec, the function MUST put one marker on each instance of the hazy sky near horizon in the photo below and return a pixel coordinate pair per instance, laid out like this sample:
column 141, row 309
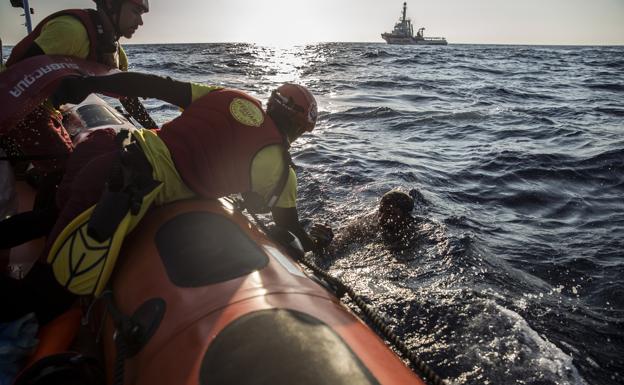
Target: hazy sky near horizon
column 282, row 22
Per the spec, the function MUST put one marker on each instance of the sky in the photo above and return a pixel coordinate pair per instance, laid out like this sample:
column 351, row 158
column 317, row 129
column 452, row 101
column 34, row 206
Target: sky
column 287, row 22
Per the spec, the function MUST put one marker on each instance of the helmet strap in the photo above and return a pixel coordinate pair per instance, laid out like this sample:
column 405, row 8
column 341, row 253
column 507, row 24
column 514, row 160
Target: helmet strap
column 111, row 15
column 116, row 16
column 284, row 124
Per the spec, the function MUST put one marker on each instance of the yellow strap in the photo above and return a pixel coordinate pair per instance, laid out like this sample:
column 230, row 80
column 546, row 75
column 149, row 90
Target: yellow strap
column 159, row 157
column 83, row 265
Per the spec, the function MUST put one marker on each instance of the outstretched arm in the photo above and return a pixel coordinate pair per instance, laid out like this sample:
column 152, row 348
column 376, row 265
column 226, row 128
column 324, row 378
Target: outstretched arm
column 288, row 218
column 129, row 84
column 320, row 235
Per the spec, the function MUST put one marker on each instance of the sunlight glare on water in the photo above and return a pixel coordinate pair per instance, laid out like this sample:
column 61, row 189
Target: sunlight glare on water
column 281, row 63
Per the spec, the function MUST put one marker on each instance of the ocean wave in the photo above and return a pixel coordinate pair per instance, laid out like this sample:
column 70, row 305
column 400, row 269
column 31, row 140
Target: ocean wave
column 480, row 69
column 464, row 222
column 363, row 113
column 614, row 64
column 618, row 87
column 508, row 351
column 377, row 84
column 597, row 61
column 566, row 111
column 181, row 70
column 528, row 201
column 164, row 107
column 619, row 112
column 350, row 179
column 376, row 54
column 501, row 161
column 503, row 92
column 524, row 353
column 413, row 60
column 462, row 116
column 612, row 160
column 419, row 98
column 405, row 176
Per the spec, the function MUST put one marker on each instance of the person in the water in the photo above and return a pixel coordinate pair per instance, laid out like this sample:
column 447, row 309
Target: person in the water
column 392, row 223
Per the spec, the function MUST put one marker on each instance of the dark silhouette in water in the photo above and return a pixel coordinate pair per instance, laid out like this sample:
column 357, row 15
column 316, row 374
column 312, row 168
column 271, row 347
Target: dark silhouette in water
column 392, row 224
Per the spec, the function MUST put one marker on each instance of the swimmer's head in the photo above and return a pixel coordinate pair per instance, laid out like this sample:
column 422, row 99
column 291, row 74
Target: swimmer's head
column 395, row 210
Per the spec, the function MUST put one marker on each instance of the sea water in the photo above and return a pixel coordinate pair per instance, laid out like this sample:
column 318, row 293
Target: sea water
column 516, row 157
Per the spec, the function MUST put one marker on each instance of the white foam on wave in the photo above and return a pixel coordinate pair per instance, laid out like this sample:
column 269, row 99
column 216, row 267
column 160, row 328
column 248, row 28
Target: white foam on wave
column 508, row 348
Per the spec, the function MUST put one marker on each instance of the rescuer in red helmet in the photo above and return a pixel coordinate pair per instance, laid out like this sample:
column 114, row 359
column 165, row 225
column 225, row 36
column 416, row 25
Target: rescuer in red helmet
column 223, row 143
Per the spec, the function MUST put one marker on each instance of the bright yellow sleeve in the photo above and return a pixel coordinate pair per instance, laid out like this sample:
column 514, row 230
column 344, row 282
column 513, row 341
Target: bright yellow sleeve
column 199, row 90
column 123, row 59
column 288, row 199
column 266, row 170
column 64, row 35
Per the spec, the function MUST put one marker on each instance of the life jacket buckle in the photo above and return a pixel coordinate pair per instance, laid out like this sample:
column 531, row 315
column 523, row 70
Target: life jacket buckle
column 130, row 180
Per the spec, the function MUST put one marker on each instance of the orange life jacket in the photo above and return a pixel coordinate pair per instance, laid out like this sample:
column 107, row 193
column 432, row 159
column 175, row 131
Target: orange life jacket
column 88, row 17
column 214, row 141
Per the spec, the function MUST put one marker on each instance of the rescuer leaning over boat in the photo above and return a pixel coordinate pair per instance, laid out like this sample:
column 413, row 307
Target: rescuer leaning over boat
column 223, row 143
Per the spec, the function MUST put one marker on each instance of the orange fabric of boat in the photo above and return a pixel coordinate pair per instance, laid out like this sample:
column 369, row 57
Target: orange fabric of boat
column 58, row 335
column 218, row 297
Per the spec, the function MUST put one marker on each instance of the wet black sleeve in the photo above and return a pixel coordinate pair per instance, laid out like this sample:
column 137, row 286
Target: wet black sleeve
column 136, row 109
column 137, row 84
column 289, row 220
column 26, row 226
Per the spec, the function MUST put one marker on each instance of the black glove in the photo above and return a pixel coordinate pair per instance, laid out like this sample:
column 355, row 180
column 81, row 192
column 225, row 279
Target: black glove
column 321, row 235
column 136, row 109
column 72, row 90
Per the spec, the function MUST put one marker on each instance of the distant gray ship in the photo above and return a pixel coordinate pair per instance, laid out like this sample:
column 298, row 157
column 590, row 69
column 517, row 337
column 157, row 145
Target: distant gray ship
column 403, row 33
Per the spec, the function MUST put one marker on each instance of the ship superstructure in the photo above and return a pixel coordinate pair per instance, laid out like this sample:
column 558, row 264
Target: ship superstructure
column 403, row 33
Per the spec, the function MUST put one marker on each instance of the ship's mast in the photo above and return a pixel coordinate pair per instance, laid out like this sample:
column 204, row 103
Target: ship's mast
column 404, row 11
column 27, row 11
column 27, row 16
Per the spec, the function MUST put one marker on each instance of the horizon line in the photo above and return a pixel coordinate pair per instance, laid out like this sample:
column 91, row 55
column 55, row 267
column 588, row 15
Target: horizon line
column 371, row 42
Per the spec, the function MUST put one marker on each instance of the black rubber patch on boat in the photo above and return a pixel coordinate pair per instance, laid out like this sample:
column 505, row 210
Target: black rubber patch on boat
column 281, row 347
column 201, row 248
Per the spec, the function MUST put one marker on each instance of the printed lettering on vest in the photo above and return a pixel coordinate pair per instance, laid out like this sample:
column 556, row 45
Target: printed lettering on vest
column 246, row 112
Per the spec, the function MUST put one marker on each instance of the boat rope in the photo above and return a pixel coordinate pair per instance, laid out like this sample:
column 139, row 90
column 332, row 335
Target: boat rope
column 379, row 323
column 131, row 333
column 122, row 324
column 372, row 315
column 120, row 361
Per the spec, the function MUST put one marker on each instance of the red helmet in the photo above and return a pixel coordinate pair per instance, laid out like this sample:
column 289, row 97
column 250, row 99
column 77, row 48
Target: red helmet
column 297, row 103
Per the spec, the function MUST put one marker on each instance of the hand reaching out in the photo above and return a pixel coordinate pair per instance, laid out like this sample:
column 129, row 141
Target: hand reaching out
column 321, row 235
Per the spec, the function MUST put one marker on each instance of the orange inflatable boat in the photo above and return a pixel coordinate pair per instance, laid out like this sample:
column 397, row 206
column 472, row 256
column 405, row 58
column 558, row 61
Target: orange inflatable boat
column 213, row 300
column 200, row 295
